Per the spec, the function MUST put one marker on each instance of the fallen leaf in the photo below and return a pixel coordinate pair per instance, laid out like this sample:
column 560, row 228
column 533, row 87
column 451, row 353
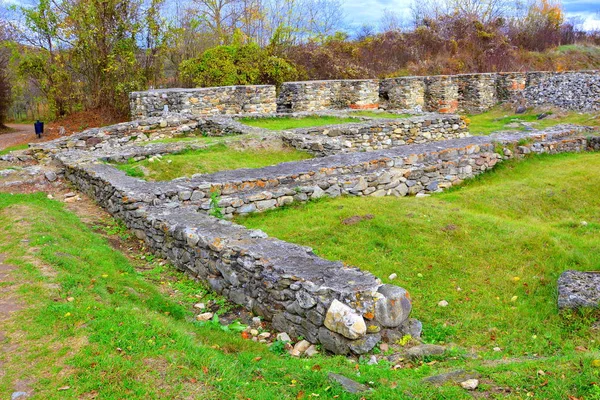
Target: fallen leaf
column 316, row 367
column 257, row 359
column 205, row 370
column 64, row 388
column 300, row 395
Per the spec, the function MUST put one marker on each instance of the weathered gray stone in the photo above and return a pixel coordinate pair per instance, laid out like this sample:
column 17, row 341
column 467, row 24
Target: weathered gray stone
column 394, row 308
column 348, row 384
column 579, row 289
column 333, row 342
column 342, row 319
column 453, row 376
column 425, row 350
column 364, row 345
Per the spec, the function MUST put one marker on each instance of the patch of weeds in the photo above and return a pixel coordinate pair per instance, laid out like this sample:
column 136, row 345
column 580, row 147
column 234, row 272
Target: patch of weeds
column 278, row 347
column 282, row 123
column 215, row 210
column 524, row 141
column 114, row 227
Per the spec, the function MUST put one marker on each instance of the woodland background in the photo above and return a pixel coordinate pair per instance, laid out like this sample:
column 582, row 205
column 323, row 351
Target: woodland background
column 63, row 59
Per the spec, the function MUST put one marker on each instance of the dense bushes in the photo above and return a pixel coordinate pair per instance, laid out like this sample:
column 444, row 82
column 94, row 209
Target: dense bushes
column 237, row 64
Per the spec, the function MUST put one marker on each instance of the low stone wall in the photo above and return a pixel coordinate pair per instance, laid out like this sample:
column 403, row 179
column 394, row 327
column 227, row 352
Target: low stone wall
column 204, row 101
column 324, row 95
column 571, row 91
column 343, row 308
column 470, row 93
column 403, row 93
column 476, row 92
column 377, row 134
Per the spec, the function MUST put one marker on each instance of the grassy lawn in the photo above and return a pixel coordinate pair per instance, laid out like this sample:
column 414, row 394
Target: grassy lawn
column 373, row 114
column 190, row 139
column 493, row 249
column 96, row 324
column 13, row 148
column 216, row 158
column 282, row 123
column 497, row 119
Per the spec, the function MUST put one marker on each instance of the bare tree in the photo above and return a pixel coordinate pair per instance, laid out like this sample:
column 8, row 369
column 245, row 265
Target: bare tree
column 483, row 10
column 391, row 21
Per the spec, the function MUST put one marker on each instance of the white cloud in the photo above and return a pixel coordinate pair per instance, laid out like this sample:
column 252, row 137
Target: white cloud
column 369, row 12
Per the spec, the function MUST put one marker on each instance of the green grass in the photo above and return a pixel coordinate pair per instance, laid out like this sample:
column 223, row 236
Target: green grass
column 508, row 233
column 282, row 123
column 372, row 114
column 216, row 158
column 190, row 139
column 13, row 148
column 497, row 119
column 128, row 333
column 586, row 49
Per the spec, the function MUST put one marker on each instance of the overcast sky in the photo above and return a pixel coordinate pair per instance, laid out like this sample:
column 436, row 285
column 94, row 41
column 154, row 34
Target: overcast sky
column 359, row 12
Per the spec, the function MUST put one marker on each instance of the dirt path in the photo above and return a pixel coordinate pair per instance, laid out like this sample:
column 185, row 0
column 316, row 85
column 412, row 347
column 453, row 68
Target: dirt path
column 22, row 134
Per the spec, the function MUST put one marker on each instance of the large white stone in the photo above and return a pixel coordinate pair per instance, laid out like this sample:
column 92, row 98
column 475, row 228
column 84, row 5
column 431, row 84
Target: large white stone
column 343, row 320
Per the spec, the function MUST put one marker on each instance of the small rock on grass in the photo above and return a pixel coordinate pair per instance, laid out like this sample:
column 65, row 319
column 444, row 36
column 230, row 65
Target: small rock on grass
column 204, row 316
column 301, row 347
column 443, row 303
column 348, row 384
column 18, row 395
column 393, row 276
column 424, row 350
column 452, row 376
column 283, row 337
column 264, row 335
column 311, row 351
column 470, row 384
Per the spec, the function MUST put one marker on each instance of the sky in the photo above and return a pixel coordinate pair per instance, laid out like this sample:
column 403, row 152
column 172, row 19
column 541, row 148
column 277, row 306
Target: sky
column 359, row 12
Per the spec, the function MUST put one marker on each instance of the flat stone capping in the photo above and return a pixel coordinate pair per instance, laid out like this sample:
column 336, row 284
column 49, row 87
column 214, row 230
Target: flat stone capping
column 579, row 289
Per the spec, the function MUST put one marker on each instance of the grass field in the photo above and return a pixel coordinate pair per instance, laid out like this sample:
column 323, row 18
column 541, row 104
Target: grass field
column 493, row 249
column 215, row 158
column 372, row 114
column 96, row 324
column 497, row 119
column 13, row 148
column 281, row 123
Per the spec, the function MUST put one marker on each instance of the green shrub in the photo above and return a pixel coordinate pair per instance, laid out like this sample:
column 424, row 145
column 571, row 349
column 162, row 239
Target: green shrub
column 237, row 64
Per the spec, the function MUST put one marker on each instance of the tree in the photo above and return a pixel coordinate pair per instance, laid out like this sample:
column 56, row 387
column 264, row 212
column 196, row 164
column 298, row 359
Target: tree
column 5, row 86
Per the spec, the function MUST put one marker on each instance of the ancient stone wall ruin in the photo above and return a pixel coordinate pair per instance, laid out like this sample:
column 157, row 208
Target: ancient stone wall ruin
column 343, row 308
column 468, row 93
column 203, row 101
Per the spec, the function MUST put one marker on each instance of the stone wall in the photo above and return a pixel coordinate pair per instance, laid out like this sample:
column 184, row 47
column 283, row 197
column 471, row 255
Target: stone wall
column 403, row 93
column 572, row 91
column 470, row 93
column 204, row 101
column 343, row 308
column 377, row 134
column 323, row 95
column 476, row 92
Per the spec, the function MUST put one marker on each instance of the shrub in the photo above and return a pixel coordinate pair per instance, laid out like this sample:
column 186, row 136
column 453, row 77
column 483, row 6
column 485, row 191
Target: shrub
column 237, row 64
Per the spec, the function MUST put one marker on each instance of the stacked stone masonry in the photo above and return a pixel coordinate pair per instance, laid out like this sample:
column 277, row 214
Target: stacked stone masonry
column 470, row 93
column 343, row 308
column 325, row 95
column 204, row 101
